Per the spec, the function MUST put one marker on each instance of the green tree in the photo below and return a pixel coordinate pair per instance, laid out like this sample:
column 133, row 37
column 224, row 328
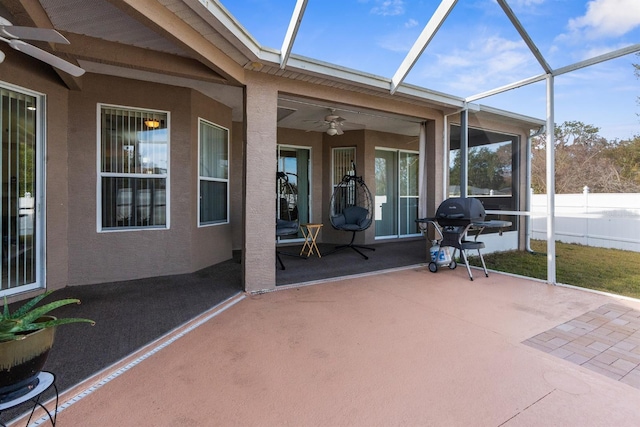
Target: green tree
column 489, row 169
column 583, row 157
column 626, row 156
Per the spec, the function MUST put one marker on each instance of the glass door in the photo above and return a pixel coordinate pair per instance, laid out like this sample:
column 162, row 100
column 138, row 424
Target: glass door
column 386, row 200
column 293, row 201
column 20, row 193
column 396, row 204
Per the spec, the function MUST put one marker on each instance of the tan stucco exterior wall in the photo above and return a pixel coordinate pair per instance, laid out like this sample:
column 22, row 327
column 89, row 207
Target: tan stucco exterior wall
column 96, row 257
column 236, row 172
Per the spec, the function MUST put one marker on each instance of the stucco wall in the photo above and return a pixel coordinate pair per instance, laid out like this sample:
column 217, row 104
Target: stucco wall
column 96, row 257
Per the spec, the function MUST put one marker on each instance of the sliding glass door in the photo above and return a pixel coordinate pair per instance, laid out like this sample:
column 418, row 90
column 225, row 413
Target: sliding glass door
column 294, row 200
column 21, row 167
column 396, row 201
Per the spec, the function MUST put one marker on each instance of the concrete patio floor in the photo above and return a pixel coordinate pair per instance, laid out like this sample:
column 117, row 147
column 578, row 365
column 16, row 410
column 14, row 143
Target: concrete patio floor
column 405, row 347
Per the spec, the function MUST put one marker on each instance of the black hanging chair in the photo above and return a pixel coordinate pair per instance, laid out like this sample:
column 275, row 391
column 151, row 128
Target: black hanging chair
column 351, row 209
column 287, row 222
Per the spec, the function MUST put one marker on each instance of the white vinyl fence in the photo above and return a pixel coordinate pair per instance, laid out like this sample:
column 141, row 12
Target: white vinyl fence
column 608, row 220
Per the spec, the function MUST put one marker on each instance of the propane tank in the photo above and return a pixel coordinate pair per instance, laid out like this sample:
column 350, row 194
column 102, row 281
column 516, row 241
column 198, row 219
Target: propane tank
column 445, row 256
column 435, row 248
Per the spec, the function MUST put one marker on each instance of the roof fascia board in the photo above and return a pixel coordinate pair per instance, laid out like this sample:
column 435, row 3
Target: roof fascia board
column 532, row 121
column 597, row 59
column 349, row 76
column 292, row 32
column 227, row 23
column 170, row 25
column 429, row 31
column 525, row 36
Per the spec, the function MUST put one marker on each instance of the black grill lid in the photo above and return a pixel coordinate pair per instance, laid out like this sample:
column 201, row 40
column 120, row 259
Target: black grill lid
column 460, row 210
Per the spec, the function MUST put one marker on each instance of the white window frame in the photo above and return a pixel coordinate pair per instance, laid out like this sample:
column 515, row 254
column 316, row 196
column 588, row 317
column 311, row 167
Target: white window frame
column 204, row 178
column 100, row 174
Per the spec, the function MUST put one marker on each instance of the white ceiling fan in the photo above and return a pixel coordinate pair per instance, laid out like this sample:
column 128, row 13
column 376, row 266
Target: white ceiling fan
column 12, row 35
column 333, row 123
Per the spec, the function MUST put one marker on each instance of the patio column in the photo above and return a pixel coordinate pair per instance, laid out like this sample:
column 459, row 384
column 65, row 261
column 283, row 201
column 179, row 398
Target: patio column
column 464, row 153
column 435, row 159
column 258, row 252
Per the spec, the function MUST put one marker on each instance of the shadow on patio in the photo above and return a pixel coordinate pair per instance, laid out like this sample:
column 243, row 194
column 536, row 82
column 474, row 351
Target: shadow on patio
column 406, row 347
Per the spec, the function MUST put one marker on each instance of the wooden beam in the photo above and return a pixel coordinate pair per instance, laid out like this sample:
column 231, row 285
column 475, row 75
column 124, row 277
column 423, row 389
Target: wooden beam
column 31, row 14
column 163, row 21
column 122, row 55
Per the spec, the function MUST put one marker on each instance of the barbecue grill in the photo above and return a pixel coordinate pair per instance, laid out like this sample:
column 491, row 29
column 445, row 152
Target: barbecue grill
column 454, row 219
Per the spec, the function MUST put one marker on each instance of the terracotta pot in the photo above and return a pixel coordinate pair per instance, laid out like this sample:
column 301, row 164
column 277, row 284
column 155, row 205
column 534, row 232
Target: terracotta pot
column 22, row 360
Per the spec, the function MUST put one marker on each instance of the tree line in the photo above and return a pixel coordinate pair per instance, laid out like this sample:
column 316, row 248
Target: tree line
column 583, row 157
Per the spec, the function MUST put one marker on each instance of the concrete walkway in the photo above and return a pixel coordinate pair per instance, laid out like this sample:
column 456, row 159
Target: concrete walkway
column 407, row 348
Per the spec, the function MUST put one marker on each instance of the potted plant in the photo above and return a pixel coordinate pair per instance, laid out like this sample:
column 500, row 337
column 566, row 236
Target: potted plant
column 26, row 336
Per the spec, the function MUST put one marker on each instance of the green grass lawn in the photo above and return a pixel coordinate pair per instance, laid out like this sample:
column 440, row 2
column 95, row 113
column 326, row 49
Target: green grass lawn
column 609, row 270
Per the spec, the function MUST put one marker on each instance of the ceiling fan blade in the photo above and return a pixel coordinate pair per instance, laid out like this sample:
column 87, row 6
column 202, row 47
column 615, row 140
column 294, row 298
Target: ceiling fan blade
column 44, row 56
column 1, row 56
column 30, row 33
column 340, row 131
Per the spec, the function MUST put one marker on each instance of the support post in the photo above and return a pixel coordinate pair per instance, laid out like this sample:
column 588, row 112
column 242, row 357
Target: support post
column 464, row 153
column 551, row 185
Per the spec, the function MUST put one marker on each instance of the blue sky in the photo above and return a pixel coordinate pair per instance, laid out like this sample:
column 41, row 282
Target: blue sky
column 477, row 49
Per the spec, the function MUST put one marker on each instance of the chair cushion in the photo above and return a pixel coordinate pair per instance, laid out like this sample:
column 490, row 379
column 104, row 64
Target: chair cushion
column 338, row 220
column 355, row 215
column 285, row 228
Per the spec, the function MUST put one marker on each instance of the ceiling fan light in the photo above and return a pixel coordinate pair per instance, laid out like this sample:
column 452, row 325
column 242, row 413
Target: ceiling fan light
column 332, row 131
column 152, row 123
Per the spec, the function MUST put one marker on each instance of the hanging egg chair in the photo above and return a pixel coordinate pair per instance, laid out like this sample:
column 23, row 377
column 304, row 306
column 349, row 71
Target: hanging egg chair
column 351, row 210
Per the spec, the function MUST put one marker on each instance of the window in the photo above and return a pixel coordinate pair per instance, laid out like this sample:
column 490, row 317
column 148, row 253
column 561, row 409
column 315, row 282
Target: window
column 343, row 163
column 213, row 166
column 134, row 168
column 492, row 171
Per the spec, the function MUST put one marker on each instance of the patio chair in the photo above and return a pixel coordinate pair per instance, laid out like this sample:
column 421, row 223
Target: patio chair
column 351, row 210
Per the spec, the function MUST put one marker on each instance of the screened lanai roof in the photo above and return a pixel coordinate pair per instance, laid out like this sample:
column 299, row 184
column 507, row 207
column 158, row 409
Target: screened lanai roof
column 469, row 48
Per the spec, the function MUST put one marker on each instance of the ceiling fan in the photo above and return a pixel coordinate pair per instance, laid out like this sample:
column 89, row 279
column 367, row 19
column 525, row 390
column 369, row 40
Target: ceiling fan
column 12, row 35
column 333, row 123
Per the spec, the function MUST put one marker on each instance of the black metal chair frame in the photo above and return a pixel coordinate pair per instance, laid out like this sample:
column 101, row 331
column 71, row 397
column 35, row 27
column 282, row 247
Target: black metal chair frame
column 355, row 182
